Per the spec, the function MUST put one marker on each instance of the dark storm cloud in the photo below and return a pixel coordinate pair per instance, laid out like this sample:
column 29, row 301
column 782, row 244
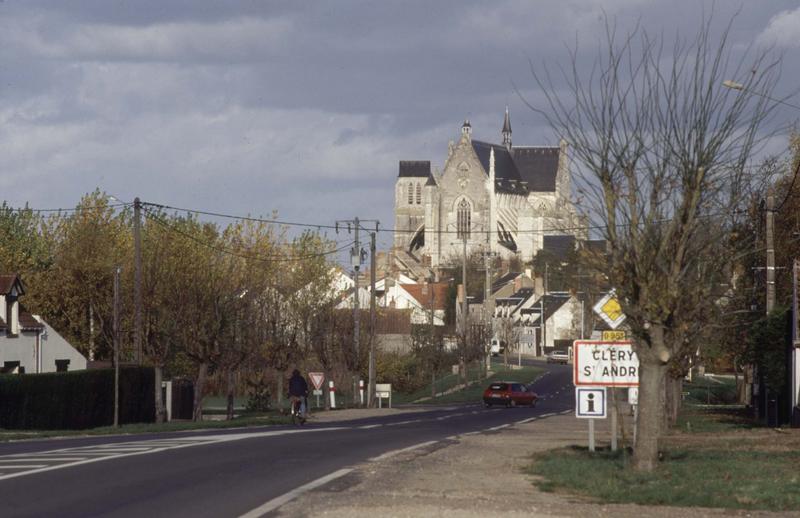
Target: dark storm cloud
column 305, row 108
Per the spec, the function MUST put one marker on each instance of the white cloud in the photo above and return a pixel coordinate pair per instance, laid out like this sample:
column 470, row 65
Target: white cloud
column 782, row 31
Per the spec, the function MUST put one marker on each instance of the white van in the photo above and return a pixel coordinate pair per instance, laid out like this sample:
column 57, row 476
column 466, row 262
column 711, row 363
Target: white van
column 495, row 347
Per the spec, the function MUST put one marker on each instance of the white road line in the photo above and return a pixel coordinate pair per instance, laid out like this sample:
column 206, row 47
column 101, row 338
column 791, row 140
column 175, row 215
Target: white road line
column 471, row 433
column 23, row 466
column 291, row 495
column 529, row 420
column 405, row 422
column 39, row 459
column 392, row 453
column 494, row 428
column 108, row 455
column 546, row 415
column 368, row 426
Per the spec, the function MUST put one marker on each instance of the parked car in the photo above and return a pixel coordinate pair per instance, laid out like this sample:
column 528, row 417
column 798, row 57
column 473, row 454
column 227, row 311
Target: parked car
column 558, row 357
column 509, row 393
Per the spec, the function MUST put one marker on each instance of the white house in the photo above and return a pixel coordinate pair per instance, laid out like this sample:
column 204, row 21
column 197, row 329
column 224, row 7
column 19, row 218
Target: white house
column 27, row 343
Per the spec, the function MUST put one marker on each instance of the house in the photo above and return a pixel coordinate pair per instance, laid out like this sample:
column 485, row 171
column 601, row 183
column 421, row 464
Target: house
column 27, row 343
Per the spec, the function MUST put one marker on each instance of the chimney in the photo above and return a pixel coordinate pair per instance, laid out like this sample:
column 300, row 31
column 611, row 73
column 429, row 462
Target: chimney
column 517, row 283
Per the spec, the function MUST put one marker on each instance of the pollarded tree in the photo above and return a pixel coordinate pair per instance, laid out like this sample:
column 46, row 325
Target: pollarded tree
column 663, row 149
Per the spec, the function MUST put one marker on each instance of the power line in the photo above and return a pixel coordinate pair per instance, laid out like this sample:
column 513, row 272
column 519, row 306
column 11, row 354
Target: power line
column 221, row 249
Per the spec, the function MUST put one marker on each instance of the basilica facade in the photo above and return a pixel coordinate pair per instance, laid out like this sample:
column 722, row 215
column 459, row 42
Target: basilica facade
column 496, row 198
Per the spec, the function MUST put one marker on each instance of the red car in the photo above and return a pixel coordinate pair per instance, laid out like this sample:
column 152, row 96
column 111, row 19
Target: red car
column 509, row 393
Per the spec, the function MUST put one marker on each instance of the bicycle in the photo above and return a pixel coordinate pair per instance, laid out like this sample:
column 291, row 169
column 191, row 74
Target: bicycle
column 297, row 411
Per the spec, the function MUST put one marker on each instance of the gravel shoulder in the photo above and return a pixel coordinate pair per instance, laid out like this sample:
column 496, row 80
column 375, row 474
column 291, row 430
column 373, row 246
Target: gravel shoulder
column 471, row 476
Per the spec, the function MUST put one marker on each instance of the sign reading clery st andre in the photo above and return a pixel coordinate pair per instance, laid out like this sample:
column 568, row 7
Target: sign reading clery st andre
column 605, row 364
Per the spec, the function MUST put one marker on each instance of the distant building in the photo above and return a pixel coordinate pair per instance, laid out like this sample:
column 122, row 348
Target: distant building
column 499, row 198
column 27, row 343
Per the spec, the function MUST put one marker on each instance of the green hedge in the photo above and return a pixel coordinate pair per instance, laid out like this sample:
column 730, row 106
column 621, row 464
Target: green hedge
column 75, row 400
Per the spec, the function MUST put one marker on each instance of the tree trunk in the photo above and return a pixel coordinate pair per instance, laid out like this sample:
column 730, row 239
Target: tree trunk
column 199, row 387
column 433, row 384
column 159, row 400
column 652, row 374
column 231, row 389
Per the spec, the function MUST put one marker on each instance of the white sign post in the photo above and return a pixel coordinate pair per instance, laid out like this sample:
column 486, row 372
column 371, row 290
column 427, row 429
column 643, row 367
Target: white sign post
column 383, row 391
column 590, row 403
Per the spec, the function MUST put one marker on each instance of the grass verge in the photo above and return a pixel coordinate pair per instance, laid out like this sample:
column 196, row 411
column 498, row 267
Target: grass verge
column 474, row 391
column 140, row 428
column 700, row 478
column 715, row 457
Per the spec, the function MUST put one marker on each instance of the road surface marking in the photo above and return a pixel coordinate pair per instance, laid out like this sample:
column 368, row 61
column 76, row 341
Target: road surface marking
column 494, row 428
column 91, row 454
column 547, row 415
column 23, row 466
column 392, row 453
column 528, row 420
column 294, row 493
column 368, row 426
column 405, row 422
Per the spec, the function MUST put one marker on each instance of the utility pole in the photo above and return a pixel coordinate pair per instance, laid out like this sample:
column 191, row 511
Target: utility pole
column 372, row 316
column 137, row 279
column 488, row 307
column 116, row 345
column 356, row 257
column 770, row 252
column 464, row 309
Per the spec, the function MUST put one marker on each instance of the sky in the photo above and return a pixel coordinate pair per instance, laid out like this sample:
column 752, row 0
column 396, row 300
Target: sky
column 300, row 109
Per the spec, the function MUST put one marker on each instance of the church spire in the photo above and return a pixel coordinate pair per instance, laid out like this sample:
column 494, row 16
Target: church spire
column 507, row 131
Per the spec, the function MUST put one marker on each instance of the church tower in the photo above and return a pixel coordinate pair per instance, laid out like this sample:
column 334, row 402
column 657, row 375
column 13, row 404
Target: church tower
column 507, row 131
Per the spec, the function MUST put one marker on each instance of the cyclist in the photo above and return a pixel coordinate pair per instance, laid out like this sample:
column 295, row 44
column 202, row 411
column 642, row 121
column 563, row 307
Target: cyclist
column 298, row 391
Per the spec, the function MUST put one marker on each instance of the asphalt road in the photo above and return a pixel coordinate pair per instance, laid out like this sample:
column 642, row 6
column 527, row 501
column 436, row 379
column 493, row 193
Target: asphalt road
column 233, row 472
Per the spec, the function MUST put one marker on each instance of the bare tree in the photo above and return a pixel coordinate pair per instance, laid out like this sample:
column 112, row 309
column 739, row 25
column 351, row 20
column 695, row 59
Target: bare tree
column 663, row 150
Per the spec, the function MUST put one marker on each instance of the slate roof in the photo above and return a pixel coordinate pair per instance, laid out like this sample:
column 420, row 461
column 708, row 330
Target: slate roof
column 26, row 321
column 507, row 177
column 552, row 303
column 505, row 279
column 538, row 166
column 596, row 245
column 415, row 168
column 559, row 246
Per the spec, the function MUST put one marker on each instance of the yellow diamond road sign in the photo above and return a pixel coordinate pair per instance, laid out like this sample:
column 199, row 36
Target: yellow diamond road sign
column 609, row 310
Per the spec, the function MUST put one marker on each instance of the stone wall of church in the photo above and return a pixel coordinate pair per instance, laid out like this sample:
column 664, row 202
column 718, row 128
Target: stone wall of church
column 409, row 210
column 463, row 178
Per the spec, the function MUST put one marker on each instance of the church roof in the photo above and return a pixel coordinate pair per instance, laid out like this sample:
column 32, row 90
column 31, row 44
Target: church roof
column 538, row 166
column 431, row 181
column 415, row 168
column 521, row 170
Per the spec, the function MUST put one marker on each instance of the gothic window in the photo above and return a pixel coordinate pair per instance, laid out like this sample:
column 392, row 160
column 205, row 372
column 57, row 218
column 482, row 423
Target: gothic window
column 419, row 194
column 464, row 219
column 410, row 193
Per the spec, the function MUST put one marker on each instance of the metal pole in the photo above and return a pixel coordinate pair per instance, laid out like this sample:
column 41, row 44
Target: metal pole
column 372, row 316
column 137, row 280
column 116, row 345
column 613, row 419
column 591, row 434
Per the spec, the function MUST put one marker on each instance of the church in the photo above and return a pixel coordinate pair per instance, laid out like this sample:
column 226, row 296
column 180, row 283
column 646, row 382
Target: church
column 497, row 198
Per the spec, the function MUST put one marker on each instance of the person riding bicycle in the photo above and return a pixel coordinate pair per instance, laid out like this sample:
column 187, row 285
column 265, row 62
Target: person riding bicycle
column 298, row 391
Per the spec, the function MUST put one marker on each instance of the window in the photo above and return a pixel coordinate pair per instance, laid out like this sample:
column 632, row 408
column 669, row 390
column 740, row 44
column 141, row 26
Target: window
column 410, row 193
column 62, row 365
column 464, row 219
column 419, row 194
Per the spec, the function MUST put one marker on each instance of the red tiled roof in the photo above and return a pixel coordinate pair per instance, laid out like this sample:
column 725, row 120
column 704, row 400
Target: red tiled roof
column 423, row 293
column 7, row 281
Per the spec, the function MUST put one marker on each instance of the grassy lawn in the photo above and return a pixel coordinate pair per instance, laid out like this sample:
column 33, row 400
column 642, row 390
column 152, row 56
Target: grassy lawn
column 473, row 392
column 174, row 426
column 714, row 457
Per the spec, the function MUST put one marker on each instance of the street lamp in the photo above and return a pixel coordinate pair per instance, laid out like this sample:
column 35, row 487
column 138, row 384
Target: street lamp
column 734, row 85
